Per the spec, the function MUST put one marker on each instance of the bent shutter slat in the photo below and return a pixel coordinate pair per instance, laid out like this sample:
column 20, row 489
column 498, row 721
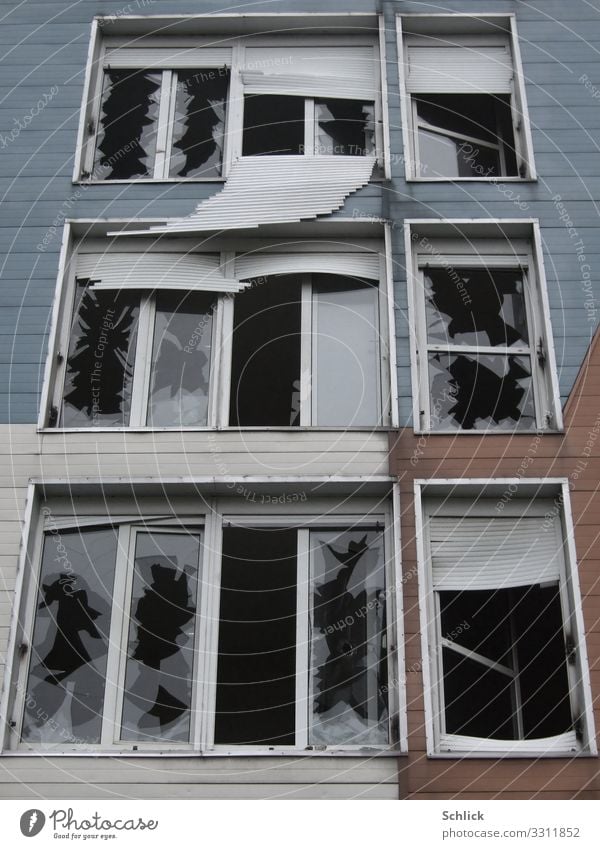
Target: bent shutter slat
column 345, row 72
column 493, row 552
column 155, row 271
column 362, row 265
column 459, row 69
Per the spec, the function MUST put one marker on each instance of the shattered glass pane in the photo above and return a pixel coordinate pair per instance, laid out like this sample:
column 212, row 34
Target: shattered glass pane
column 344, row 127
column 478, row 620
column 158, row 676
column 181, row 360
column 273, row 124
column 480, row 391
column 65, row 688
column 475, row 306
column 470, row 117
column 128, row 125
column 345, row 352
column 199, row 123
column 100, row 362
column 348, row 650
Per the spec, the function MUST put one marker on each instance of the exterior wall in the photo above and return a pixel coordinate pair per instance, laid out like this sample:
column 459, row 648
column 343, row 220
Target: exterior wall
column 574, row 455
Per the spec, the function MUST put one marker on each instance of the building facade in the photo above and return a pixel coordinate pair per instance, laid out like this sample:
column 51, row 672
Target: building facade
column 301, row 466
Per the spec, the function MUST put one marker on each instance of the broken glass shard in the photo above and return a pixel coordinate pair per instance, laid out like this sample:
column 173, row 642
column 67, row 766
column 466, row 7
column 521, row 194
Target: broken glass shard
column 199, row 123
column 344, row 128
column 179, row 379
column 128, row 125
column 475, row 306
column 65, row 687
column 160, row 663
column 345, row 352
column 480, row 391
column 100, row 362
column 348, row 648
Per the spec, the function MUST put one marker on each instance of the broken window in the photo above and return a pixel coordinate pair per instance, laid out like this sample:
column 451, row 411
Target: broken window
column 504, row 662
column 161, row 124
column 137, row 633
column 480, row 341
column 160, row 663
column 106, row 370
column 329, row 322
column 466, row 135
column 69, row 648
column 464, row 101
column 348, row 652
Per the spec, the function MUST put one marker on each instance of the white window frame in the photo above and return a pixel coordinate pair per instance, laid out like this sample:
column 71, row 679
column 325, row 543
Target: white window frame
column 208, row 515
column 92, row 96
column 222, row 335
column 490, row 243
column 451, row 23
column 535, row 496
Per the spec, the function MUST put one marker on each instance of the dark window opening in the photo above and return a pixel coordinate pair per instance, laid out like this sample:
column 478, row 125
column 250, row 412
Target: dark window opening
column 199, row 123
column 344, row 127
column 465, row 135
column 517, row 687
column 273, row 124
column 265, row 368
column 100, row 362
column 256, row 685
column 128, row 125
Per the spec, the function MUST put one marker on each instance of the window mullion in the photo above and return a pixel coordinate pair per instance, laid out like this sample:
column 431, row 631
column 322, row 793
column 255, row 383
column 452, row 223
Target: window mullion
column 117, row 643
column 304, row 625
column 310, row 128
column 516, row 688
column 172, row 102
column 308, row 343
column 163, row 126
column 143, row 362
column 206, row 697
column 220, row 388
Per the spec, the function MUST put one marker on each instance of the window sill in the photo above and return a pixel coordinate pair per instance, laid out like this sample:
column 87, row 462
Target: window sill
column 504, row 755
column 149, row 180
column 213, row 753
column 488, row 433
column 491, row 180
column 227, row 429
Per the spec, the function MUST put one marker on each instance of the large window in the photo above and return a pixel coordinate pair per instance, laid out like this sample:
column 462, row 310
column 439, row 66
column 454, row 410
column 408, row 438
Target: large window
column 141, row 635
column 166, row 340
column 169, row 108
column 463, row 99
column 483, row 357
column 502, row 627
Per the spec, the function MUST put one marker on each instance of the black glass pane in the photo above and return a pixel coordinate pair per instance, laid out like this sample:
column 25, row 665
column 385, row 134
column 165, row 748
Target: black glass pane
column 256, row 684
column 478, row 620
column 273, row 124
column 344, row 127
column 199, row 123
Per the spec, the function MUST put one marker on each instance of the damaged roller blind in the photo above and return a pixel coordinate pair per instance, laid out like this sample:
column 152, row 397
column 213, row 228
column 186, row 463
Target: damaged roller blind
column 348, row 648
column 340, row 72
column 276, row 189
column 154, row 270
